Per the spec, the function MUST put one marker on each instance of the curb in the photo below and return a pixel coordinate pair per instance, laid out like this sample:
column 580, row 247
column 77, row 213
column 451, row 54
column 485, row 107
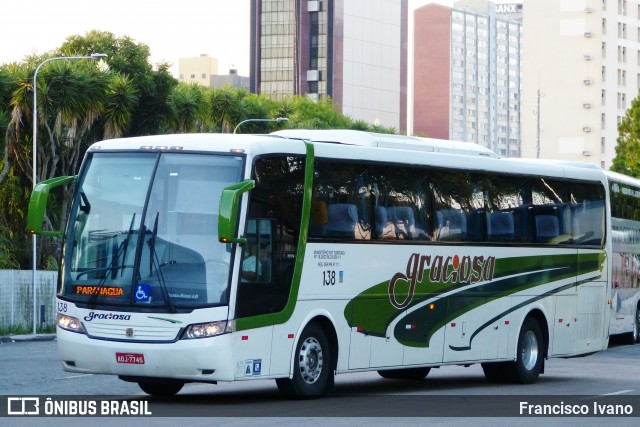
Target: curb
column 27, row 338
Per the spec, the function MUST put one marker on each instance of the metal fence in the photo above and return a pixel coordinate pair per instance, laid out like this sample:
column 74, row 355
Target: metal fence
column 16, row 298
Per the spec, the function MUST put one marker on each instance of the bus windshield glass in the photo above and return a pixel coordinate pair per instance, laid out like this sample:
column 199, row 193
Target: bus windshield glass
column 143, row 231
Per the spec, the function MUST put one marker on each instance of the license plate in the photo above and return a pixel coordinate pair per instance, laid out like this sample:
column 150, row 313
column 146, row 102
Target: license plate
column 130, row 358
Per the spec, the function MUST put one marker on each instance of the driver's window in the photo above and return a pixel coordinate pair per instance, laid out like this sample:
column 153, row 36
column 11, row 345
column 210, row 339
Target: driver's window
column 272, row 231
column 257, row 254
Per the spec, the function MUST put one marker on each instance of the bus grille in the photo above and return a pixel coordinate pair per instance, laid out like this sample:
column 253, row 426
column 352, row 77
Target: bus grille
column 132, row 332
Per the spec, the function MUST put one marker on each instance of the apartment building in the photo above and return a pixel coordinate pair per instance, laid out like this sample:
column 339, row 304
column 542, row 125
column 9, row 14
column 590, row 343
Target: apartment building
column 581, row 68
column 197, row 69
column 467, row 73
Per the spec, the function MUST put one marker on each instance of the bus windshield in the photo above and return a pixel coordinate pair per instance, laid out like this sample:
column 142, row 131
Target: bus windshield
column 143, row 231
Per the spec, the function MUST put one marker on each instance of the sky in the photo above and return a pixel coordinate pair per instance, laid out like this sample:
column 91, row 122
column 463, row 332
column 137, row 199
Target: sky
column 171, row 29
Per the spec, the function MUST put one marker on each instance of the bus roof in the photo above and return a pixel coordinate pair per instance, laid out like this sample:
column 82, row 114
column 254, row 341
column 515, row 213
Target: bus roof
column 626, row 179
column 383, row 140
column 359, row 145
column 186, row 141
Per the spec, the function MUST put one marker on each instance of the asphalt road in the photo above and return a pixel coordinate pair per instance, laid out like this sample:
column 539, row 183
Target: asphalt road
column 451, row 395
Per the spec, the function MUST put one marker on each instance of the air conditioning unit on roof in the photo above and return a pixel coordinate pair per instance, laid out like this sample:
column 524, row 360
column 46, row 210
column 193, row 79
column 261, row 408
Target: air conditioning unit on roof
column 314, row 6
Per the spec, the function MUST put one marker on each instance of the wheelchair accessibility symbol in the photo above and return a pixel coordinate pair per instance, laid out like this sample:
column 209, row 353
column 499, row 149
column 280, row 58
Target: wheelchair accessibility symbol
column 143, row 293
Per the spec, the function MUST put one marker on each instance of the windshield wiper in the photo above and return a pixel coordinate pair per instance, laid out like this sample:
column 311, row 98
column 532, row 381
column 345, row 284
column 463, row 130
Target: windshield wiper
column 153, row 260
column 126, row 244
column 86, row 207
column 113, row 266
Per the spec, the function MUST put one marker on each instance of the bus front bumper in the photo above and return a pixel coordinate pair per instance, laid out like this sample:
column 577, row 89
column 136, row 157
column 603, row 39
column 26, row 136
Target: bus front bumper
column 202, row 360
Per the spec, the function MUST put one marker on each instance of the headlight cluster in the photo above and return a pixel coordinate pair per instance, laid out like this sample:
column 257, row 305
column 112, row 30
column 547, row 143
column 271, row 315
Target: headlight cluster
column 70, row 323
column 205, row 330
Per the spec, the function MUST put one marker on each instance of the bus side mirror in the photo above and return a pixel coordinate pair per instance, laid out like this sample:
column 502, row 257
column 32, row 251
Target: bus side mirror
column 228, row 213
column 38, row 205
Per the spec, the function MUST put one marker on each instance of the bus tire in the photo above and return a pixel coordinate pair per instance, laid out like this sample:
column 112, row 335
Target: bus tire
column 405, row 374
column 161, row 388
column 529, row 361
column 635, row 334
column 494, row 372
column 312, row 370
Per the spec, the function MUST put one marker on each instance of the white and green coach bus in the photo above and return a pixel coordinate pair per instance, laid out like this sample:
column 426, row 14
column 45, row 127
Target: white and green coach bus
column 302, row 254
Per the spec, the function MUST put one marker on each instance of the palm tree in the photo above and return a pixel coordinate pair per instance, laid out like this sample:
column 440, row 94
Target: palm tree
column 73, row 99
column 225, row 107
column 189, row 108
column 121, row 100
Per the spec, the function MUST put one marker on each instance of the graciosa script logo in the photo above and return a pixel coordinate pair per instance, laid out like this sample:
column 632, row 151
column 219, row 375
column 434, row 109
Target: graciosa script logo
column 106, row 316
column 446, row 270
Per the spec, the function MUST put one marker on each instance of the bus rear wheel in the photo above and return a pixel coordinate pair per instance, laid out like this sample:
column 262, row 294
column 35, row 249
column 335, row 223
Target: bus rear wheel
column 161, row 388
column 405, row 374
column 312, row 370
column 494, row 372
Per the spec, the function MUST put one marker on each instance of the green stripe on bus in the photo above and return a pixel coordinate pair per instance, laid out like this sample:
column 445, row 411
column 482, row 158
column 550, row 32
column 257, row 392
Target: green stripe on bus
column 372, row 311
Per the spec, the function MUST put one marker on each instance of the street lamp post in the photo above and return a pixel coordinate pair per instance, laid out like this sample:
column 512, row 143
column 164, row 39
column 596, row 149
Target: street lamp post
column 278, row 120
column 94, row 56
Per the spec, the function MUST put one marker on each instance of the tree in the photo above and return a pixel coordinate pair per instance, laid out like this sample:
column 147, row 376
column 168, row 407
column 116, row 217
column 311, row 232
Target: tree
column 5, row 118
column 131, row 60
column 317, row 114
column 71, row 98
column 627, row 160
column 121, row 100
column 189, row 108
column 225, row 107
column 79, row 102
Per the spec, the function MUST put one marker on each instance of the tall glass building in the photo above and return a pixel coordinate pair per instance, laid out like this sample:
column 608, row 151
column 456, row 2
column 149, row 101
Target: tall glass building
column 352, row 51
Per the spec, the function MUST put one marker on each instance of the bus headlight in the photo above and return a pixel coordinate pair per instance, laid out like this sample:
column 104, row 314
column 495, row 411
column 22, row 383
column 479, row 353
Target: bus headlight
column 70, row 323
column 205, row 330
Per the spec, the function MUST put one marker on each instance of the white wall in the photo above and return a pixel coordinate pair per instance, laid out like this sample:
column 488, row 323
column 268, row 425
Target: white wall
column 372, row 46
column 16, row 297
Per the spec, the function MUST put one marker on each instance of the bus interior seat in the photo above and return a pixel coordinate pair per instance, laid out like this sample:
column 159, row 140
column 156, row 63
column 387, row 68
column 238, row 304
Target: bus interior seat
column 382, row 220
column 452, row 224
column 343, row 218
column 500, row 226
column 199, row 233
column 587, row 222
column 184, row 274
column 319, row 218
column 403, row 219
column 547, row 227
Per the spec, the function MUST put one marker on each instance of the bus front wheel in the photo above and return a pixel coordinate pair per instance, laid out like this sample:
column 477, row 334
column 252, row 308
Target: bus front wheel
column 161, row 388
column 530, row 355
column 312, row 371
